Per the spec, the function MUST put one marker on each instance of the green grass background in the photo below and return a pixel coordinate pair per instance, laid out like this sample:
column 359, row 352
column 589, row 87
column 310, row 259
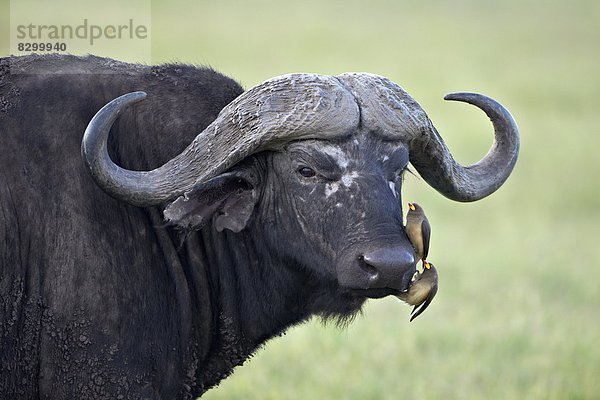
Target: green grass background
column 517, row 315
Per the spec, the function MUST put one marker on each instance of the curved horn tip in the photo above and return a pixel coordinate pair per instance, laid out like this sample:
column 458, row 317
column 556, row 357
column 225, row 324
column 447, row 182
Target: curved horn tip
column 104, row 118
column 132, row 97
column 123, row 101
column 458, row 96
column 479, row 100
column 490, row 106
column 468, row 97
column 109, row 112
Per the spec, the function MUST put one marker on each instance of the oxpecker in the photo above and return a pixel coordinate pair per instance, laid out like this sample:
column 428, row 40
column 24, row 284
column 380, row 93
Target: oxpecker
column 422, row 291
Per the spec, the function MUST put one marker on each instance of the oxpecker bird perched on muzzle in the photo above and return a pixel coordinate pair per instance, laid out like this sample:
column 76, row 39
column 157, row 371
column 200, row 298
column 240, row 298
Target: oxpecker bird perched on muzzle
column 422, row 291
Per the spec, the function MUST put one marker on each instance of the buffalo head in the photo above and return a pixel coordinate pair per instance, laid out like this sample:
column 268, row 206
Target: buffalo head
column 318, row 158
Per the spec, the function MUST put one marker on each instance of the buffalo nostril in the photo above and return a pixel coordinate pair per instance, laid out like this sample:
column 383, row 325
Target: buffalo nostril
column 368, row 268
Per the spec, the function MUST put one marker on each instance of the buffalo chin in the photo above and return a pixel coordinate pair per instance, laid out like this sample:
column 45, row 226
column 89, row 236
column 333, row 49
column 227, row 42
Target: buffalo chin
column 343, row 308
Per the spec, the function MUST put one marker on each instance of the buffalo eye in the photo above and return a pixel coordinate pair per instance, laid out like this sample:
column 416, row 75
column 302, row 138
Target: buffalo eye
column 307, row 172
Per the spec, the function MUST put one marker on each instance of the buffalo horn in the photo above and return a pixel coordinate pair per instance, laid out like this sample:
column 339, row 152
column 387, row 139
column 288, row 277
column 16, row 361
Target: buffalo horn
column 397, row 116
column 266, row 117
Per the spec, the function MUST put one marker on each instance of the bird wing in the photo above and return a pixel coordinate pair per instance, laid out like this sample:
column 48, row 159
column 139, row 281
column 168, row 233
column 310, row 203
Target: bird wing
column 418, row 309
column 425, row 233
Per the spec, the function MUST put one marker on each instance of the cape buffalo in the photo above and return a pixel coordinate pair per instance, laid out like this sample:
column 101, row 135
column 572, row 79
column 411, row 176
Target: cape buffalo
column 150, row 262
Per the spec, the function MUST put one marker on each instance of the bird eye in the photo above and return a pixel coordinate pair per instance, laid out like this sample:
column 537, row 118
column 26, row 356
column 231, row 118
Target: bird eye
column 307, row 172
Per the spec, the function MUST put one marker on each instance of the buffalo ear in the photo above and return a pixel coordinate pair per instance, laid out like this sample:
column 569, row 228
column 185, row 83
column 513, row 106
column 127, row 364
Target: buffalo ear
column 228, row 199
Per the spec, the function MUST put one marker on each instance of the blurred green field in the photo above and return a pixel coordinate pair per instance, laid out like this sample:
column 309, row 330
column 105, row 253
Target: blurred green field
column 518, row 311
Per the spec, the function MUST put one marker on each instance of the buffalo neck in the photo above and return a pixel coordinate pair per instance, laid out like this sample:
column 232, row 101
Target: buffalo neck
column 237, row 294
